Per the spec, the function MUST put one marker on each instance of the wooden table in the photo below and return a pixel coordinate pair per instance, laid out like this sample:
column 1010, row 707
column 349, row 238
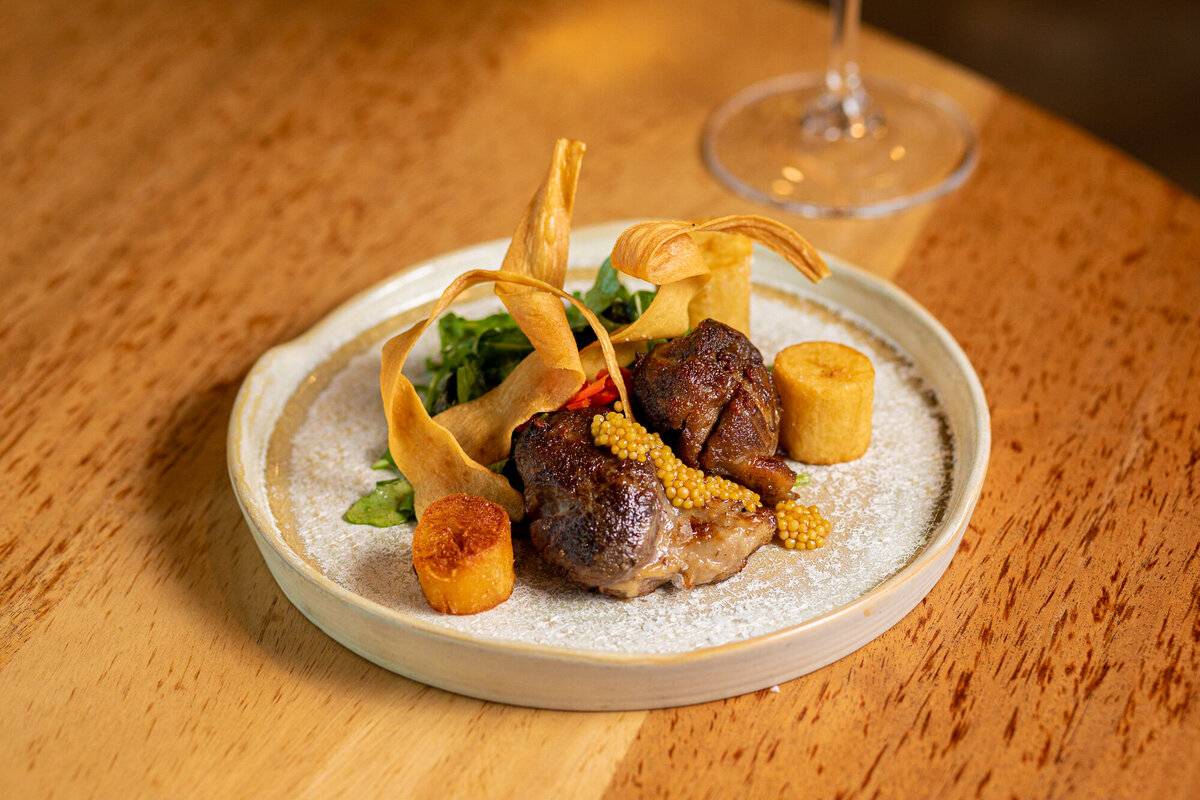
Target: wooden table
column 183, row 185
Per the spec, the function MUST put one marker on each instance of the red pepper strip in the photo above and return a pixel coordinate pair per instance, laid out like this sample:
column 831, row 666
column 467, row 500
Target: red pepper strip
column 599, row 393
column 626, row 377
column 625, row 373
column 586, row 392
column 597, row 400
column 606, row 397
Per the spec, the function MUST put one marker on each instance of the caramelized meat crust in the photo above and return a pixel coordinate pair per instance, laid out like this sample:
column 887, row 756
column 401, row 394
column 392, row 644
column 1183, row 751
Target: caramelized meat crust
column 606, row 523
column 712, row 388
column 597, row 518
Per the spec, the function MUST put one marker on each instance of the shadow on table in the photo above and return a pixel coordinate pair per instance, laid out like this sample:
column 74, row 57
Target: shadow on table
column 207, row 547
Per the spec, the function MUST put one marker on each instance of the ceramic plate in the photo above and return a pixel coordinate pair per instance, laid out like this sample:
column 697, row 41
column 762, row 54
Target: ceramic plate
column 308, row 423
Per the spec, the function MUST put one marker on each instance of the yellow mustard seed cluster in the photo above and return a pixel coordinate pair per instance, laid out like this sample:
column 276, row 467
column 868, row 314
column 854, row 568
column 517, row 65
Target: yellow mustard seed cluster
column 685, row 486
column 800, row 527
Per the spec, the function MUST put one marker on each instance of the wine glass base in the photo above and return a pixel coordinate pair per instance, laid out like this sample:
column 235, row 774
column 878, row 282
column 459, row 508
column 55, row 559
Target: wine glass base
column 760, row 144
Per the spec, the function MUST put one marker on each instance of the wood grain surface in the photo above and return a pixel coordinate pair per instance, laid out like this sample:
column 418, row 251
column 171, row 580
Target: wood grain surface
column 184, row 185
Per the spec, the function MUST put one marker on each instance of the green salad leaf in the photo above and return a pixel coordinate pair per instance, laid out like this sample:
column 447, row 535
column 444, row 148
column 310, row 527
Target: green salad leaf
column 606, row 290
column 475, row 356
column 385, row 461
column 391, row 503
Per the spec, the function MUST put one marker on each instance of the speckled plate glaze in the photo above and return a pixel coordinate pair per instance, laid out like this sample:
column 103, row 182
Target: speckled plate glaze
column 308, row 422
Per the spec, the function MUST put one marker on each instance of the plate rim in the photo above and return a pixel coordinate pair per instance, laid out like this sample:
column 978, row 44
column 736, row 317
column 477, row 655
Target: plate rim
column 267, row 535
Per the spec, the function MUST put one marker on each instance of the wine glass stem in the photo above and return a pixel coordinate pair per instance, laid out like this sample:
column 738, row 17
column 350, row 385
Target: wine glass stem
column 844, row 110
column 841, row 78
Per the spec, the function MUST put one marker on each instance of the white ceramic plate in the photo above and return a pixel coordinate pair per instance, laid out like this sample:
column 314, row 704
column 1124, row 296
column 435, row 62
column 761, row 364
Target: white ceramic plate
column 307, row 423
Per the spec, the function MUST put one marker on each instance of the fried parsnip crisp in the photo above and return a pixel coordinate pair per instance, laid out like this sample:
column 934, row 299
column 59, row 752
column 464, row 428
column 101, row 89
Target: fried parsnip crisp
column 447, row 455
column 726, row 295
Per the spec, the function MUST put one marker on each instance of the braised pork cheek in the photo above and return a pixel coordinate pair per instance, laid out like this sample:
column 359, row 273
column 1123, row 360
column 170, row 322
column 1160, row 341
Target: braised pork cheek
column 712, row 388
column 606, row 523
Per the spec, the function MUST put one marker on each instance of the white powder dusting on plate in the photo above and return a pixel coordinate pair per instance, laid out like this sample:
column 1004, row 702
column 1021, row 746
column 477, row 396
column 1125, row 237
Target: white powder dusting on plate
column 882, row 506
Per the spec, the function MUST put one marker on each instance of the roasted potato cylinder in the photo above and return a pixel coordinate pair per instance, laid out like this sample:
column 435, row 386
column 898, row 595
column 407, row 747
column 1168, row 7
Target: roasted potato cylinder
column 726, row 297
column 827, row 394
column 463, row 555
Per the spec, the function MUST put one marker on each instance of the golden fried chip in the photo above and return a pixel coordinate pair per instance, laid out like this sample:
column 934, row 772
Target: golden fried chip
column 726, row 295
column 543, row 381
column 447, row 455
column 668, row 254
column 426, row 452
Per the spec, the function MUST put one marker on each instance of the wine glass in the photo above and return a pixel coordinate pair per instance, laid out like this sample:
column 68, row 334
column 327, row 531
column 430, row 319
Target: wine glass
column 837, row 144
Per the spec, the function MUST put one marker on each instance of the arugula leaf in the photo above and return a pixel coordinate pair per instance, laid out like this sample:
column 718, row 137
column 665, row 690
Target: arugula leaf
column 640, row 301
column 606, row 290
column 386, row 462
column 391, row 503
column 477, row 355
column 468, row 381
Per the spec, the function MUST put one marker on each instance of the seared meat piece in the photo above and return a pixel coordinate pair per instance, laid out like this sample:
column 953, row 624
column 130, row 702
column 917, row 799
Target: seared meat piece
column 712, row 387
column 723, row 535
column 599, row 519
column 742, row 445
column 607, row 523
column 684, row 384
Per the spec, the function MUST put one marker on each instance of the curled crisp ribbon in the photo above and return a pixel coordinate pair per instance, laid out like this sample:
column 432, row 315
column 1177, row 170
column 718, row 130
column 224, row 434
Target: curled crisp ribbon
column 447, row 454
column 427, row 453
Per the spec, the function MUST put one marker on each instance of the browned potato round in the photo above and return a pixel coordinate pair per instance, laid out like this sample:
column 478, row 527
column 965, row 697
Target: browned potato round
column 827, row 394
column 463, row 555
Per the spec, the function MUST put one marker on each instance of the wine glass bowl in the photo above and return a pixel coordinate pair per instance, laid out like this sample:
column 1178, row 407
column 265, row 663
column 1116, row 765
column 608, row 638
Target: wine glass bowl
column 835, row 144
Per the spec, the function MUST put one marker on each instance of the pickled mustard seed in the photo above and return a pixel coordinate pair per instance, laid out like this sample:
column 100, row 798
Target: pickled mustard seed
column 685, row 487
column 801, row 527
